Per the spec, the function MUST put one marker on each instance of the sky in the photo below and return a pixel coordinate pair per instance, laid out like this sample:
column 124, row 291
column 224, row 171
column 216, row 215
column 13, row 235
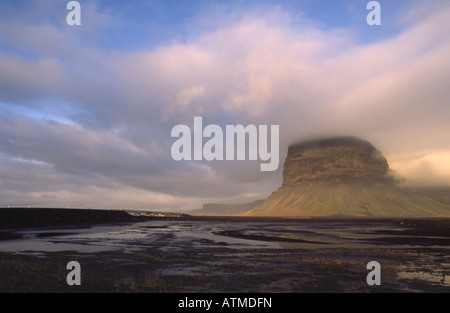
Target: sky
column 86, row 112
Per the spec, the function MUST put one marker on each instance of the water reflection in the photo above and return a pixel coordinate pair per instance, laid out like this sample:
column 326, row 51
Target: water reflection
column 176, row 235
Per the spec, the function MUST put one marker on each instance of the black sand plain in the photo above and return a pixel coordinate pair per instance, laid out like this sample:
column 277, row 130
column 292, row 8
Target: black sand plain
column 413, row 258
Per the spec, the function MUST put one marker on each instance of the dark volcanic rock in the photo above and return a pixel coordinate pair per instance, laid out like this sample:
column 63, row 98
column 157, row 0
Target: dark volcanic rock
column 42, row 217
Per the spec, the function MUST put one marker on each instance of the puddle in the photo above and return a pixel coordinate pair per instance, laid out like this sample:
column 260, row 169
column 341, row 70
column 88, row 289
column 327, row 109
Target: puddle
column 437, row 278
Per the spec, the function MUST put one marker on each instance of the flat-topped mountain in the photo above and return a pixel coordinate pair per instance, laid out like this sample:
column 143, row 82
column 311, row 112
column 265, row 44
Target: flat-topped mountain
column 343, row 159
column 344, row 176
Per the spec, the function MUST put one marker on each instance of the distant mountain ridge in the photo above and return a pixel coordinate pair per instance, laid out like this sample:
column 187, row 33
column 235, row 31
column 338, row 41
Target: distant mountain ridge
column 225, row 209
column 345, row 176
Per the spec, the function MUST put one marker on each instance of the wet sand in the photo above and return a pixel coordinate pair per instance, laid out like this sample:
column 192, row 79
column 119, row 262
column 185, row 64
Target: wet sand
column 221, row 270
column 413, row 253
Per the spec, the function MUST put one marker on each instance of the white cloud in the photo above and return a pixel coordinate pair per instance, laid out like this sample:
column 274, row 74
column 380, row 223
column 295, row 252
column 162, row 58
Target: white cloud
column 430, row 169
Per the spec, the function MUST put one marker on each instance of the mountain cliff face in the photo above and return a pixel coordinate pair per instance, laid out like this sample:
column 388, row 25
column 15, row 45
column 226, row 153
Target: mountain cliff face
column 343, row 176
column 338, row 160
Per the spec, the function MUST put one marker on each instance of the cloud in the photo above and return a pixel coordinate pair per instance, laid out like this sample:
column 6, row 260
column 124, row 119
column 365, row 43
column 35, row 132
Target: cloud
column 105, row 135
column 431, row 169
column 23, row 81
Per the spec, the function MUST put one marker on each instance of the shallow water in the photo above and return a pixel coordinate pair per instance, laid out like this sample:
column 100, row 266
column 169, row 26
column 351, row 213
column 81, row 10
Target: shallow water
column 176, row 235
